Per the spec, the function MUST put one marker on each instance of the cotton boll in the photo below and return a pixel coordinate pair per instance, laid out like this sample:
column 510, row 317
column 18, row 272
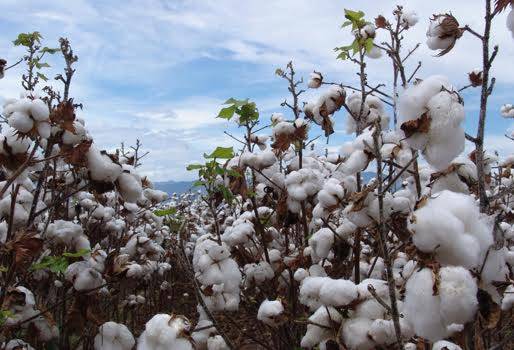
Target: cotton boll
column 101, row 167
column 445, row 345
column 457, row 291
column 315, row 80
column 408, row 19
column 21, row 122
column 451, row 226
column 39, row 110
column 439, row 34
column 130, row 186
column 338, row 292
column 325, row 316
column 422, row 308
column 355, row 334
column 444, row 146
column 507, row 110
column 356, row 162
column 114, row 336
column 216, row 343
column 165, row 332
column 321, row 242
column 270, row 312
column 44, row 129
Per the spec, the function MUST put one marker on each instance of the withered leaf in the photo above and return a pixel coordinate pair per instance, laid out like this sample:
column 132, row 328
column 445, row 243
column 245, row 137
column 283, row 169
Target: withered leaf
column 25, row 247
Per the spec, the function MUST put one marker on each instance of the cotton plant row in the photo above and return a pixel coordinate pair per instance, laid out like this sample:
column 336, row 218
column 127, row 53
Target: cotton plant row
column 321, row 257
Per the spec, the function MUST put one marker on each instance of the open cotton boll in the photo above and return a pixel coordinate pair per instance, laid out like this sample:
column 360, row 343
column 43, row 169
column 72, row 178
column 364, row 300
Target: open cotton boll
column 130, row 186
column 114, row 336
column 315, row 80
column 355, row 334
column 443, row 146
column 324, row 316
column 39, row 110
column 21, row 122
column 258, row 273
column 270, row 312
column 356, row 162
column 457, row 291
column 338, row 292
column 83, row 276
column 422, row 308
column 450, row 226
column 408, row 19
column 507, row 110
column 165, row 332
column 68, row 233
column 436, row 38
column 217, row 343
column 445, row 345
column 101, row 167
column 321, row 242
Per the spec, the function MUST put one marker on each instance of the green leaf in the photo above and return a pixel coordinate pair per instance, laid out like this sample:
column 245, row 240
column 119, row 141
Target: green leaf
column 221, row 153
column 227, row 112
column 194, row 167
column 235, row 102
column 248, row 113
column 26, row 39
column 355, row 46
column 353, row 16
column 346, row 24
column 80, row 253
column 49, row 50
column 42, row 76
column 368, row 44
column 165, row 212
column 56, row 264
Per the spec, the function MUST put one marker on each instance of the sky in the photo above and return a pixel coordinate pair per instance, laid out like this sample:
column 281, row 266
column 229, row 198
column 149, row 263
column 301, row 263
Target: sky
column 159, row 70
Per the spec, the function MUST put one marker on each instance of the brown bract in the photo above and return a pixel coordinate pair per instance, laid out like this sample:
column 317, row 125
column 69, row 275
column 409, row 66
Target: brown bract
column 381, row 22
column 76, row 155
column 64, row 115
column 475, row 78
column 420, row 125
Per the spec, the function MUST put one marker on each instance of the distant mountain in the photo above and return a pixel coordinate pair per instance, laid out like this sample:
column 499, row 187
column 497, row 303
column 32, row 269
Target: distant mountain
column 173, row 186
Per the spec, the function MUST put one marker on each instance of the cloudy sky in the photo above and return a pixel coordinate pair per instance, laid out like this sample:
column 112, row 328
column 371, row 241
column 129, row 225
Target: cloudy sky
column 158, row 70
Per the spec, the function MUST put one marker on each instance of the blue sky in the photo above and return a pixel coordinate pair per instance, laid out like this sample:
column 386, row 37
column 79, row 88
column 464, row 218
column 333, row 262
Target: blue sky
column 159, row 70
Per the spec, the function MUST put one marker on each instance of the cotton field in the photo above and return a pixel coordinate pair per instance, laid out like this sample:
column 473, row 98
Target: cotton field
column 403, row 238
